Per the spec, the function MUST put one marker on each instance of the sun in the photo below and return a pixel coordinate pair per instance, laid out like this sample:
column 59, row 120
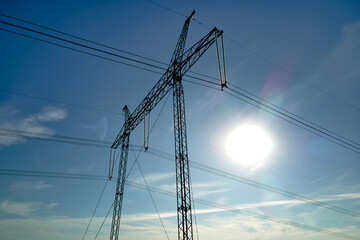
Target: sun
column 248, row 144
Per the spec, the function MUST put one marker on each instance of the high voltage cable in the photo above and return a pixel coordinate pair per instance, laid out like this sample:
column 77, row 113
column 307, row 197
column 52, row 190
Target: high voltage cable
column 136, row 161
column 142, row 174
column 81, row 45
column 293, row 114
column 152, row 128
column 352, row 146
column 246, row 181
column 50, row 135
column 256, row 184
column 102, row 224
column 151, row 196
column 80, row 51
column 82, row 39
column 46, row 174
column 280, row 117
column 322, row 132
column 260, row 216
column 96, row 206
column 90, row 48
column 151, row 65
column 99, row 44
column 60, row 102
column 13, row 172
column 330, row 134
column 294, row 119
column 267, row 60
column 353, row 142
column 300, row 124
column 263, row 163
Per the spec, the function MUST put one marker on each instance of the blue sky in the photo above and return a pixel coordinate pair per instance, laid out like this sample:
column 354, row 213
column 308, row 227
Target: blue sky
column 311, row 51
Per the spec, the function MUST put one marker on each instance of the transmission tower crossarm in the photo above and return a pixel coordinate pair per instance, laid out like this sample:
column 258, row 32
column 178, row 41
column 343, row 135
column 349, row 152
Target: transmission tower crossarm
column 179, row 67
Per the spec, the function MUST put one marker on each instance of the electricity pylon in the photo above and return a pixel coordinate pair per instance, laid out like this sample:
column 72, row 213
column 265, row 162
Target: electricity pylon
column 180, row 63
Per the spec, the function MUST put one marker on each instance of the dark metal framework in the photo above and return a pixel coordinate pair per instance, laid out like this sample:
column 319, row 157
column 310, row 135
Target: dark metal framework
column 180, row 63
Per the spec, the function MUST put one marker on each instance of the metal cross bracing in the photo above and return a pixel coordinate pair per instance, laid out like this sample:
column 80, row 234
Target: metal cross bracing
column 180, row 63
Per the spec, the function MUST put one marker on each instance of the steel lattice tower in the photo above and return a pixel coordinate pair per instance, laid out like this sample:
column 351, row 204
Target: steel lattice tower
column 180, row 63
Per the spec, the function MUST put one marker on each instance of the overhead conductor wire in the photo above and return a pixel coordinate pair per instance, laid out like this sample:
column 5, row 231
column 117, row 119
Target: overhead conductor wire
column 204, row 202
column 324, row 133
column 353, row 142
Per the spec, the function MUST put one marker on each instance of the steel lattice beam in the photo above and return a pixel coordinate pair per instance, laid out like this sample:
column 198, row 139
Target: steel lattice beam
column 185, row 229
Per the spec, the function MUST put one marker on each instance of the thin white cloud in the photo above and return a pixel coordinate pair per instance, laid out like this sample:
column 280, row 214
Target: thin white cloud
column 200, row 189
column 32, row 123
column 210, row 192
column 338, row 72
column 341, row 65
column 255, row 205
column 24, row 209
column 29, row 186
column 134, row 226
column 154, row 177
column 212, row 228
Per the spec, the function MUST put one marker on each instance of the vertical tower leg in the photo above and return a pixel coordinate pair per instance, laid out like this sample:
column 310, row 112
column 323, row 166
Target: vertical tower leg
column 115, row 225
column 185, row 230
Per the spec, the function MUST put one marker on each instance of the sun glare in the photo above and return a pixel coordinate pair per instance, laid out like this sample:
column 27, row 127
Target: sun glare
column 248, row 144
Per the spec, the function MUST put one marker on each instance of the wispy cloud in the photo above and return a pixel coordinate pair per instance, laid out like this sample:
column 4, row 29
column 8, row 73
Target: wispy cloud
column 154, row 177
column 200, row 189
column 33, row 123
column 134, row 227
column 341, row 65
column 29, row 186
column 338, row 72
column 254, row 205
column 24, row 209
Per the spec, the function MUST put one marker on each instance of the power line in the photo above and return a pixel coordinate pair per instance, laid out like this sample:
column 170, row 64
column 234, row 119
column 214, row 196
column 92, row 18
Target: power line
column 102, row 224
column 99, row 44
column 81, row 45
column 263, row 163
column 13, row 172
column 320, row 132
column 96, row 206
column 151, row 65
column 293, row 114
column 256, row 184
column 218, row 172
column 256, row 102
column 82, row 39
column 80, row 51
column 268, row 61
column 136, row 161
column 47, row 174
column 252, row 214
column 152, row 128
column 324, row 133
column 59, row 102
column 94, row 49
column 138, row 164
column 151, row 196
